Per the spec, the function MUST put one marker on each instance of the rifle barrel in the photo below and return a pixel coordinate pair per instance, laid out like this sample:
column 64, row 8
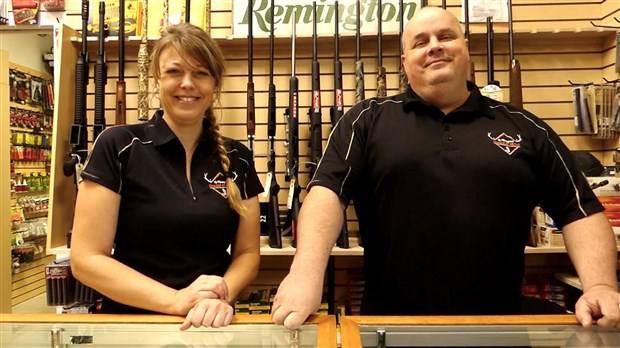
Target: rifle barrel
column 100, row 76
column 359, row 64
column 251, row 117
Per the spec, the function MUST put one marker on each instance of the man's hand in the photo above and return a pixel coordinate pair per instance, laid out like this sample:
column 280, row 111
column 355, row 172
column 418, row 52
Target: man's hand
column 204, row 287
column 209, row 313
column 298, row 296
column 600, row 303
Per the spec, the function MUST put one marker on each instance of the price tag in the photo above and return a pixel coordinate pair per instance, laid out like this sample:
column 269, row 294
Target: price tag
column 268, row 179
column 291, row 194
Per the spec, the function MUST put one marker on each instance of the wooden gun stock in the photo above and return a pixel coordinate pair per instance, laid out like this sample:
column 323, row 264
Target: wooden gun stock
column 516, row 93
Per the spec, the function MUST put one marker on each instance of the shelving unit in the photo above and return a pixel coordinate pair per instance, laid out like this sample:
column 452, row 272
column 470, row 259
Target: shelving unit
column 30, row 138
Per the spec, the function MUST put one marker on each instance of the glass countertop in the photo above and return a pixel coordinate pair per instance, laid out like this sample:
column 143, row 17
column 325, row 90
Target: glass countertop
column 474, row 331
column 144, row 334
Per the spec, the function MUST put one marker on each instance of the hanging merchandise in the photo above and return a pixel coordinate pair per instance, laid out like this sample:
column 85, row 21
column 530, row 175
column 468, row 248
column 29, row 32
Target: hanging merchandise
column 25, row 11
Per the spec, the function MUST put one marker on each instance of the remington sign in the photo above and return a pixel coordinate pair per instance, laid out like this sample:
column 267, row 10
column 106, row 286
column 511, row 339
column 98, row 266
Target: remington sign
column 284, row 14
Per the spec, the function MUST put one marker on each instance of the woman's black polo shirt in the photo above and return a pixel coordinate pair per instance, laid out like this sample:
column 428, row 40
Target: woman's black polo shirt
column 444, row 203
column 166, row 230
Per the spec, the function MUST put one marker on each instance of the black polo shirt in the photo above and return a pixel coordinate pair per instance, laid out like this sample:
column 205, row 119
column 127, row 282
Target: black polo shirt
column 444, row 202
column 166, row 229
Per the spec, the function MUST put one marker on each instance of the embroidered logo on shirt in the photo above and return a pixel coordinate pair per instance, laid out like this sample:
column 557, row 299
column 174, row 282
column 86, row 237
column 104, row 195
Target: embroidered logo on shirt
column 218, row 183
column 506, row 143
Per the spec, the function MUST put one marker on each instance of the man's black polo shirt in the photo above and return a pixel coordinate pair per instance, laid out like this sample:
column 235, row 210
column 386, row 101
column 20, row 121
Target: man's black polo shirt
column 167, row 230
column 444, row 202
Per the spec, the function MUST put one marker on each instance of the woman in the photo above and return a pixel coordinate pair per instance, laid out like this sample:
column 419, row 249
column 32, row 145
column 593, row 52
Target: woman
column 160, row 203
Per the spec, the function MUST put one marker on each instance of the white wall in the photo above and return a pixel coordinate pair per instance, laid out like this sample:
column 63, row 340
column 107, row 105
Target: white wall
column 27, row 48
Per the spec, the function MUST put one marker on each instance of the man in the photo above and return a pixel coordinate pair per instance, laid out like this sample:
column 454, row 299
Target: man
column 444, row 182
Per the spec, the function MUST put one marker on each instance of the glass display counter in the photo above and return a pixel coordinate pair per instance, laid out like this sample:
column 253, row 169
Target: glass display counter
column 103, row 330
column 473, row 331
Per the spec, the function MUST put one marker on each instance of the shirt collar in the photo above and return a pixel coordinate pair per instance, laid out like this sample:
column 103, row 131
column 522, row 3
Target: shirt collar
column 161, row 133
column 476, row 103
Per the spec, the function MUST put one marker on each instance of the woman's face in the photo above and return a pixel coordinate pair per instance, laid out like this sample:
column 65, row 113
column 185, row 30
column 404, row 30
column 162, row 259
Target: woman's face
column 186, row 88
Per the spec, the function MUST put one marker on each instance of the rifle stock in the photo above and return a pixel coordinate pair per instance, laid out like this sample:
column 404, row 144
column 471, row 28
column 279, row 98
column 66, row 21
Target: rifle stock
column 516, row 92
column 121, row 93
column 359, row 63
column 381, row 88
column 251, row 117
column 78, row 133
column 274, row 229
column 101, row 78
column 292, row 154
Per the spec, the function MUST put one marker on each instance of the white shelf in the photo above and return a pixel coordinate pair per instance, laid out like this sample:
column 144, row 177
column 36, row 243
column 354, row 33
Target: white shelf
column 287, row 249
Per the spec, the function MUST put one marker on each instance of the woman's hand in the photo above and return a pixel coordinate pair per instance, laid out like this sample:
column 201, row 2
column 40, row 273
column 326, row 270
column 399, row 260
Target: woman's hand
column 204, row 287
column 209, row 313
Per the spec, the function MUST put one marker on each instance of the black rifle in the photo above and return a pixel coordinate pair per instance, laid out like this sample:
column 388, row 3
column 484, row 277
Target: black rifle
column 359, row 63
column 101, row 78
column 292, row 143
column 274, row 229
column 187, row 8
column 516, row 93
column 121, row 107
column 381, row 88
column 251, row 117
column 403, row 77
column 472, row 67
column 336, row 113
column 490, row 61
column 78, row 136
column 316, row 134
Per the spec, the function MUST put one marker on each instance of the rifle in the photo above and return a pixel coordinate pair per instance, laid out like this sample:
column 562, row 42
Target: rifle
column 359, row 63
column 472, row 68
column 492, row 89
column 292, row 143
column 516, row 93
column 316, row 135
column 187, row 9
column 78, row 135
column 490, row 63
column 336, row 113
column 101, row 78
column 403, row 83
column 274, row 229
column 121, row 107
column 251, row 117
column 381, row 89
column 143, row 62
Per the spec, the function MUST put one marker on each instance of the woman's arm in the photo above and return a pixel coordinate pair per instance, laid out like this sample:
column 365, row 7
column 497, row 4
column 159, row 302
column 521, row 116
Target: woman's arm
column 245, row 251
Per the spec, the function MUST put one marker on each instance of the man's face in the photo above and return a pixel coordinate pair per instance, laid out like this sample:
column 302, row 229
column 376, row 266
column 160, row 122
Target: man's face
column 435, row 50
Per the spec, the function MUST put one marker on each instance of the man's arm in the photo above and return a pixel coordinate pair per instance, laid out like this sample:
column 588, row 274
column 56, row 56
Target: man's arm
column 299, row 294
column 592, row 248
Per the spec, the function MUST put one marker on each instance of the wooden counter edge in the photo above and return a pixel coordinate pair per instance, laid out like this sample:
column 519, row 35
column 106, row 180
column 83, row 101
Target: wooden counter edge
column 326, row 324
column 350, row 325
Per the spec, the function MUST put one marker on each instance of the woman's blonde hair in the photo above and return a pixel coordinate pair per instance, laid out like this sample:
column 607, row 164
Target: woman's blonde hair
column 191, row 41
